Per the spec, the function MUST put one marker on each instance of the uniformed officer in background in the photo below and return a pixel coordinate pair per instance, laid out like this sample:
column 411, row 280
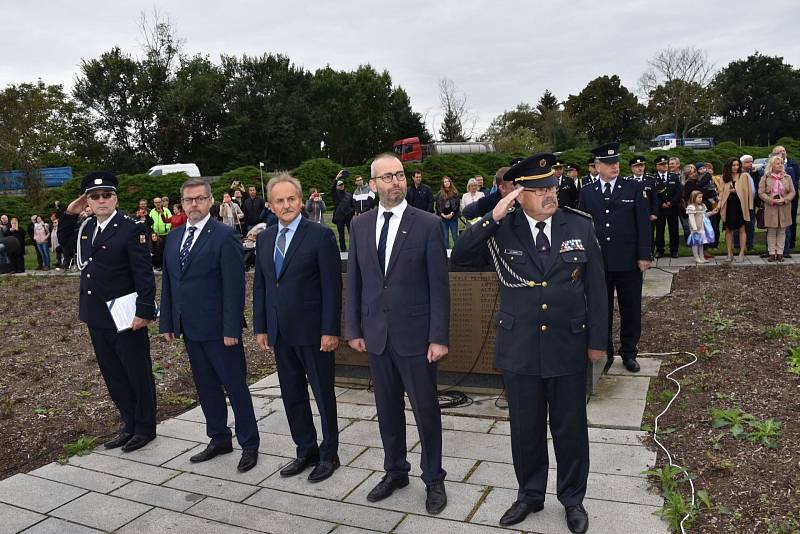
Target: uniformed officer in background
column 648, row 181
column 567, row 192
column 572, row 173
column 552, row 318
column 620, row 210
column 592, row 176
column 113, row 256
column 668, row 187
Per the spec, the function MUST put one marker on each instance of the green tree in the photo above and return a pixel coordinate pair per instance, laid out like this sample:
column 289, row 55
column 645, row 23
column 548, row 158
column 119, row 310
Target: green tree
column 758, row 99
column 606, row 111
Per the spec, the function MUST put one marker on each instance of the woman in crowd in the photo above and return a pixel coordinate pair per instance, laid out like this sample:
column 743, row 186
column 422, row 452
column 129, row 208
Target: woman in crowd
column 41, row 236
column 448, row 209
column 55, row 246
column 471, row 195
column 178, row 216
column 735, row 203
column 776, row 192
column 18, row 261
column 315, row 207
column 230, row 212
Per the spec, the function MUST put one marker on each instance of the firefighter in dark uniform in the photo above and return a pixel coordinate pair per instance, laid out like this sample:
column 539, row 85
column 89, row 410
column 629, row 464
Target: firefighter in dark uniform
column 668, row 187
column 592, row 176
column 648, row 181
column 620, row 210
column 113, row 256
column 567, row 192
column 551, row 323
column 572, row 174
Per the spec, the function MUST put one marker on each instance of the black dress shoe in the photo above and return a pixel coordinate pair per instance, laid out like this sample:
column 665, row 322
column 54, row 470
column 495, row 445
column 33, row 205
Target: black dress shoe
column 210, row 452
column 577, row 518
column 118, row 441
column 137, row 442
column 436, row 499
column 609, row 363
column 324, row 470
column 298, row 465
column 673, row 256
column 787, row 255
column 386, row 487
column 631, row 365
column 765, row 255
column 248, row 461
column 519, row 511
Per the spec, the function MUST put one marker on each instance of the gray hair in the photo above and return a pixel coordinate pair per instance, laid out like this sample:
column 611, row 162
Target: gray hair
column 471, row 182
column 675, row 158
column 284, row 177
column 385, row 155
column 775, row 158
column 746, row 157
column 196, row 182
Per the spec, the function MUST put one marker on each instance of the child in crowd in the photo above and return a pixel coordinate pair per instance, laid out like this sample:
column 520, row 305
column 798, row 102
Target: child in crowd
column 701, row 233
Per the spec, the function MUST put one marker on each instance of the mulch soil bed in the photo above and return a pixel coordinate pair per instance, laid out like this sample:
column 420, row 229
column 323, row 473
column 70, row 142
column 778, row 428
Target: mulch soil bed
column 723, row 314
column 51, row 390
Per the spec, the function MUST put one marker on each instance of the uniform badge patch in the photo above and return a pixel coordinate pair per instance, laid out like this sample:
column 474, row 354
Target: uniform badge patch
column 512, row 252
column 84, row 237
column 569, row 245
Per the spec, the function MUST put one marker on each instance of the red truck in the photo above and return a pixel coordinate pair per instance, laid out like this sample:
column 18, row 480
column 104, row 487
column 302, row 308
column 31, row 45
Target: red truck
column 410, row 150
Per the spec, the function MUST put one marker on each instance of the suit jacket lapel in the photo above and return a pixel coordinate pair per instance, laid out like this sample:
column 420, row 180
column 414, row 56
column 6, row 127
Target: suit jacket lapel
column 372, row 223
column 199, row 241
column 617, row 189
column 402, row 232
column 297, row 238
column 269, row 252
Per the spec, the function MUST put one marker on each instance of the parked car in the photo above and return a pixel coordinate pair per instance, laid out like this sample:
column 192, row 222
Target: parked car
column 191, row 170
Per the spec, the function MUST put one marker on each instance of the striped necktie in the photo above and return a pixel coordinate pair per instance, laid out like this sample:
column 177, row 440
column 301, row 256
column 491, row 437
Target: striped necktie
column 187, row 245
column 280, row 251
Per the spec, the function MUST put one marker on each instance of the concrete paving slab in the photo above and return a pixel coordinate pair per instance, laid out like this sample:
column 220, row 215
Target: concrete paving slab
column 185, row 430
column 414, row 524
column 343, row 529
column 457, row 468
column 368, row 434
column 467, row 424
column 281, row 445
column 82, row 478
column 341, row 483
column 461, row 498
column 213, row 487
column 53, row 525
column 357, row 396
column 615, row 413
column 158, row 521
column 620, row 488
column 604, row 516
column 13, row 519
column 277, row 423
column 649, row 367
column 259, row 519
column 622, row 387
column 36, row 494
column 100, row 511
column 344, row 410
column 171, row 499
column 261, row 405
column 159, row 451
column 475, row 446
column 596, row 434
column 354, row 515
column 123, row 468
column 224, row 466
column 656, row 283
column 482, row 406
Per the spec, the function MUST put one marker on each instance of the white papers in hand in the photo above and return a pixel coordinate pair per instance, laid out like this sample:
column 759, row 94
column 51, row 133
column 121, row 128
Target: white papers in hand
column 123, row 310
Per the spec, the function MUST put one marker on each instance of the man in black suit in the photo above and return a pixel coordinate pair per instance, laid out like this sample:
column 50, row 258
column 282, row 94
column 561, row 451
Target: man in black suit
column 620, row 210
column 419, row 195
column 297, row 298
column 552, row 318
column 398, row 310
column 202, row 297
column 567, row 192
column 668, row 187
column 113, row 256
column 592, row 177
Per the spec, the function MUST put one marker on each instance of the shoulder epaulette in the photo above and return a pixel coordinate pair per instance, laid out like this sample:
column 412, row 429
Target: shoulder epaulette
column 577, row 212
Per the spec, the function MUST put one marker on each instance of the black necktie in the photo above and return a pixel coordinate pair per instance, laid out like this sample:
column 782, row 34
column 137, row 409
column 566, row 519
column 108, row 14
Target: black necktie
column 382, row 241
column 542, row 243
column 607, row 191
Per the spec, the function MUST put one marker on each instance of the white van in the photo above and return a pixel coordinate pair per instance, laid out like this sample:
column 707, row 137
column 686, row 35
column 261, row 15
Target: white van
column 190, row 169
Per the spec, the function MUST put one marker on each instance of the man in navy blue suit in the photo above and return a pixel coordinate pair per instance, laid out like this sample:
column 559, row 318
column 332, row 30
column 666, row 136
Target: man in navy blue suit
column 202, row 297
column 297, row 299
column 398, row 310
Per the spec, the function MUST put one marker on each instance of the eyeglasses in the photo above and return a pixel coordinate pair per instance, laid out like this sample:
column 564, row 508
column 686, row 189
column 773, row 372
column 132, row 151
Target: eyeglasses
column 541, row 191
column 97, row 196
column 195, row 200
column 389, row 176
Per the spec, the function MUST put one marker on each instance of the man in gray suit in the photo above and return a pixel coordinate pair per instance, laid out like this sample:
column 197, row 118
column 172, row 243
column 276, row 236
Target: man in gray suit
column 398, row 310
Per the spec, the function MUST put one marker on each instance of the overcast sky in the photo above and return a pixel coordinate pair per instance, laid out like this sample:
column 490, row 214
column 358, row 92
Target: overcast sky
column 497, row 53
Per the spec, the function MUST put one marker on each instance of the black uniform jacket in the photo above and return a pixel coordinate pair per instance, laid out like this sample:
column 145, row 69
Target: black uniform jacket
column 544, row 330
column 622, row 223
column 118, row 263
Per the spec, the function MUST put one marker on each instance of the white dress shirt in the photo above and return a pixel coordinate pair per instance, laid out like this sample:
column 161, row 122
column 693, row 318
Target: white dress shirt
column 199, row 229
column 102, row 226
column 603, row 185
column 535, row 231
column 394, row 225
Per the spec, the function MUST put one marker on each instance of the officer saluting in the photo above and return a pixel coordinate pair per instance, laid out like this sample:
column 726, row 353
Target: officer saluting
column 552, row 316
column 114, row 259
column 620, row 209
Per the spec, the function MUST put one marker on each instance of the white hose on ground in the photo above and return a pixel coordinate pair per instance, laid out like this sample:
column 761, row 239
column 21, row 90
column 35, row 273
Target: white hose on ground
column 669, row 404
